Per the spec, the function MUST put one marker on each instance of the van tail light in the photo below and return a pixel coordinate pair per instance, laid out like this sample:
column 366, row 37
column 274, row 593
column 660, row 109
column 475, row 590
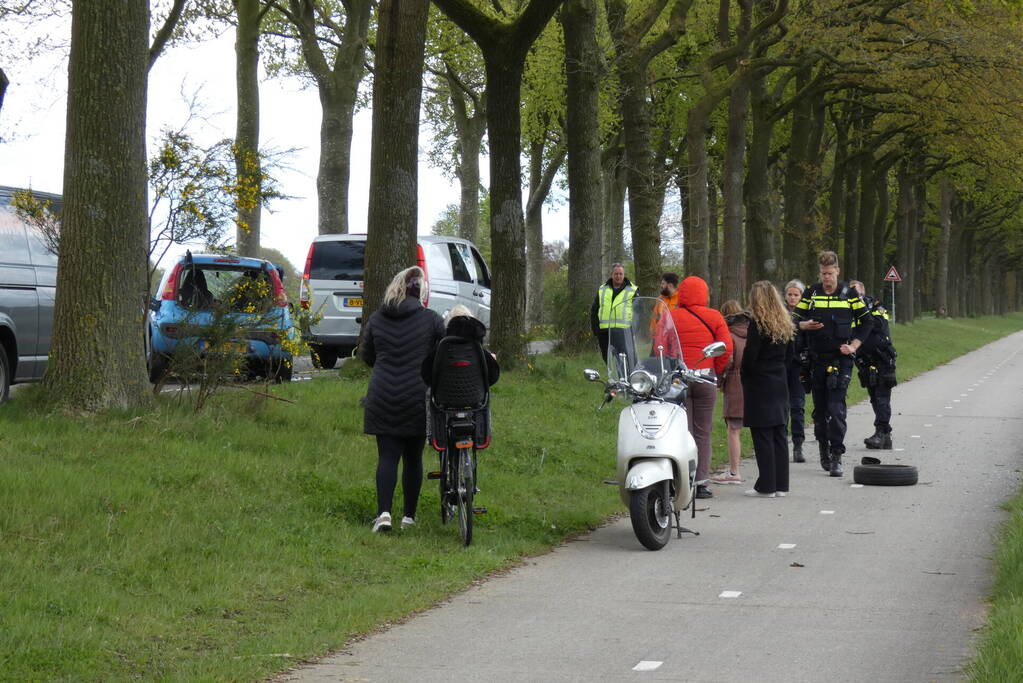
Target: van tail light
column 304, row 288
column 170, row 290
column 280, row 296
column 421, row 262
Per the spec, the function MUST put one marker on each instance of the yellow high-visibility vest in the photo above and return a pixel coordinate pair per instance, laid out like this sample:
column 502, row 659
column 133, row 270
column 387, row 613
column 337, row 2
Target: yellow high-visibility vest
column 615, row 311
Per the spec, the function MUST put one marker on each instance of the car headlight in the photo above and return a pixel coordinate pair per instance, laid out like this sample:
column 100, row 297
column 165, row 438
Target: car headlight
column 642, row 382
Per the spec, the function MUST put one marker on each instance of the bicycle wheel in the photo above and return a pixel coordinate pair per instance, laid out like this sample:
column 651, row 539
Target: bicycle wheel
column 448, row 473
column 466, row 489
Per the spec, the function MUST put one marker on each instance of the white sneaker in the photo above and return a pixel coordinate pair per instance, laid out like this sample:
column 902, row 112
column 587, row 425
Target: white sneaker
column 757, row 494
column 781, row 494
column 407, row 521
column 382, row 523
column 726, row 477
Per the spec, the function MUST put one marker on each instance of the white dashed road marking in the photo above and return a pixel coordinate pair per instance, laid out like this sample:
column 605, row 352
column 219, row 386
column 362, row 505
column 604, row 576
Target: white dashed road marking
column 786, row 546
column 827, row 512
column 855, row 486
column 647, row 665
column 730, row 594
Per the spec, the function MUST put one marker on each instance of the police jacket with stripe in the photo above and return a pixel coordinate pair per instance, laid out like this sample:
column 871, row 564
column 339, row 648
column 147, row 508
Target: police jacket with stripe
column 878, row 344
column 844, row 315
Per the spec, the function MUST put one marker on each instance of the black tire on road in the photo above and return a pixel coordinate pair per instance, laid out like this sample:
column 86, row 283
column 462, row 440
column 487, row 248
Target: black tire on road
column 323, row 358
column 5, row 376
column 885, row 475
column 650, row 510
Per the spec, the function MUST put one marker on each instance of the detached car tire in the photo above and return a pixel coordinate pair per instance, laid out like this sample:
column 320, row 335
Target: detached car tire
column 323, row 359
column 885, row 475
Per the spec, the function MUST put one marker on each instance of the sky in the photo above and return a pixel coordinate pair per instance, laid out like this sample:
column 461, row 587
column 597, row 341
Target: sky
column 32, row 125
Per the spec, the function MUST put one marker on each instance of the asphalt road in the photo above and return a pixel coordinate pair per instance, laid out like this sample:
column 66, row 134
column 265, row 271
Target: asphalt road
column 833, row 583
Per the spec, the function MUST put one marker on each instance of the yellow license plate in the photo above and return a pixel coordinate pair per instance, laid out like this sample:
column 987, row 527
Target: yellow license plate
column 353, row 302
column 234, row 347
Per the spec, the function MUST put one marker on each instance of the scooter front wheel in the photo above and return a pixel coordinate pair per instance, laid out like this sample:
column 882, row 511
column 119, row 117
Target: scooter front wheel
column 650, row 510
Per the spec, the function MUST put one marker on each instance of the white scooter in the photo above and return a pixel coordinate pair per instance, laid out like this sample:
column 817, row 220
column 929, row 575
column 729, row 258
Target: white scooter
column 656, row 470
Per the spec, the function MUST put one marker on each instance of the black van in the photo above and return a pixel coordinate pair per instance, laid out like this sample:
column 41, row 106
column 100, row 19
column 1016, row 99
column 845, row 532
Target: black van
column 28, row 283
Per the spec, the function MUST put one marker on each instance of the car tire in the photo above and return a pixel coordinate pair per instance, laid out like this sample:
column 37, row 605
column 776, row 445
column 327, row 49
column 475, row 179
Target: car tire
column 886, row 475
column 5, row 376
column 158, row 366
column 323, row 358
column 280, row 370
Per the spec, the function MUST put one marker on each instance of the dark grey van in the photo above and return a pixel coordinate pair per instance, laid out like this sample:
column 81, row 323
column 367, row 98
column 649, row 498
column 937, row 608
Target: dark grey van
column 332, row 286
column 28, row 282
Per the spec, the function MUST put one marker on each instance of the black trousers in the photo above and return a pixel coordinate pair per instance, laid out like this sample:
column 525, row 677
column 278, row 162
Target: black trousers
column 772, row 451
column 881, row 402
column 829, row 411
column 391, row 449
column 797, row 405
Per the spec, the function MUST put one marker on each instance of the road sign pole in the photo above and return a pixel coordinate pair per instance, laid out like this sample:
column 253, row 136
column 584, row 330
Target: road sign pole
column 893, row 300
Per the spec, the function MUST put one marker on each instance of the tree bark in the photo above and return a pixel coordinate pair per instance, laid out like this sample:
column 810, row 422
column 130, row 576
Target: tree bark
column 393, row 180
column 733, row 281
column 96, row 358
column 796, row 230
column 247, row 162
column 714, row 243
column 614, row 191
column 338, row 86
column 941, row 276
column 761, row 259
column 469, row 130
column 836, row 207
column 540, row 181
column 583, row 71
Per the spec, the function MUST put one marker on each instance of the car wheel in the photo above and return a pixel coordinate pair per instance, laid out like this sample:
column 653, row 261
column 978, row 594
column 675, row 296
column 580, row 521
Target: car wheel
column 323, row 357
column 5, row 376
column 885, row 475
column 158, row 365
column 280, row 369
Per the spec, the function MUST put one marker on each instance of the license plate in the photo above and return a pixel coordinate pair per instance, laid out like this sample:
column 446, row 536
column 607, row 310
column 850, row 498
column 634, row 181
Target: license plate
column 234, row 347
column 353, row 302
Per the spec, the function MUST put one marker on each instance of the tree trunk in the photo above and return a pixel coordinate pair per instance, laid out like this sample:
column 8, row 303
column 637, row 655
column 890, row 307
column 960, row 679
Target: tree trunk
column 582, row 131
column 918, row 265
column 860, row 270
column 836, row 208
column 796, row 232
column 540, row 181
column 393, row 180
column 614, row 211
column 246, row 141
column 469, row 129
column 761, row 261
column 335, row 168
column 96, row 358
column 699, row 209
column 714, row 243
column 941, row 276
column 644, row 209
column 879, row 266
column 904, row 260
column 733, row 282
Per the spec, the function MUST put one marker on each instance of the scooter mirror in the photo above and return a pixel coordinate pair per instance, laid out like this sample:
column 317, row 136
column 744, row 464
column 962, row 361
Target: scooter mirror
column 714, row 350
column 591, row 375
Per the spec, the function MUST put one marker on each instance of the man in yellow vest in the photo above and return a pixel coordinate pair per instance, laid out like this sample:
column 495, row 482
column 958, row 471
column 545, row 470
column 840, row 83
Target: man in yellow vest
column 612, row 308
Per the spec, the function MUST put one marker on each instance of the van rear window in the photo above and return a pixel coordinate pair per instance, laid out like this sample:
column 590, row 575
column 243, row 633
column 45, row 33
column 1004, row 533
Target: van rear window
column 338, row 260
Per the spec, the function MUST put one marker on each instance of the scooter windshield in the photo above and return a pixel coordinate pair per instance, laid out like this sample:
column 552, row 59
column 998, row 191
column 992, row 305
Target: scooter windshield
column 642, row 336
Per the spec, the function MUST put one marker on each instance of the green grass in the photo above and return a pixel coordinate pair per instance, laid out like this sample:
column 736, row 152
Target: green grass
column 234, row 543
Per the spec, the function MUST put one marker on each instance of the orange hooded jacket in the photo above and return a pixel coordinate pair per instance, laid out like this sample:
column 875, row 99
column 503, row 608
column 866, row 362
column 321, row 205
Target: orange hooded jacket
column 693, row 296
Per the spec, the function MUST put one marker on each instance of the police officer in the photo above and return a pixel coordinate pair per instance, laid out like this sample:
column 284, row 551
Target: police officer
column 612, row 309
column 836, row 323
column 876, row 363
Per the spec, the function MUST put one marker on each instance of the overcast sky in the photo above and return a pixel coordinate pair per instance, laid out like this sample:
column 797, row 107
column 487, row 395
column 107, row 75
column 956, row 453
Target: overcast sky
column 32, row 124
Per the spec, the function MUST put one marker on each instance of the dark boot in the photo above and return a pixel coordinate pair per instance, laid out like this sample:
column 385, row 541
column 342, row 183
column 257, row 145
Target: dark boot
column 836, row 464
column 874, row 441
column 886, row 442
column 797, row 452
column 825, row 456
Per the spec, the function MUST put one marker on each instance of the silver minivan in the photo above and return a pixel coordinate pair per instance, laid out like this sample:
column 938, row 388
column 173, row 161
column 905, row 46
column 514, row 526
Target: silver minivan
column 332, row 286
column 28, row 284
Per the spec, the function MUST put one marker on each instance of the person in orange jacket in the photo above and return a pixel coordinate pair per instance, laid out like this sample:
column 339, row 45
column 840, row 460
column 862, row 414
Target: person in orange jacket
column 697, row 326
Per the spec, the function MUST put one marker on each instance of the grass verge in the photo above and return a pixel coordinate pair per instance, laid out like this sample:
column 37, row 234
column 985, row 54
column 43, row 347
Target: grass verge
column 234, row 543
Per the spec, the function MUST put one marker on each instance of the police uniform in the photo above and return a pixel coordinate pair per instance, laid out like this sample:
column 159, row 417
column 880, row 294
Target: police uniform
column 845, row 317
column 876, row 363
column 611, row 315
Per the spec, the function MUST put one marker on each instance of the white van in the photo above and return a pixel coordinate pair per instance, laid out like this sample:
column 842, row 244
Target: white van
column 332, row 286
column 28, row 286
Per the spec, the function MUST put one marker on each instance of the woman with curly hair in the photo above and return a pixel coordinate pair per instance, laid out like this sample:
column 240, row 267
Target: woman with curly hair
column 765, row 387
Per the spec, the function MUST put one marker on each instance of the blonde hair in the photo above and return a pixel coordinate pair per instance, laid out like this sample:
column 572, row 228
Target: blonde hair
column 395, row 292
column 459, row 309
column 827, row 258
column 768, row 310
column 730, row 307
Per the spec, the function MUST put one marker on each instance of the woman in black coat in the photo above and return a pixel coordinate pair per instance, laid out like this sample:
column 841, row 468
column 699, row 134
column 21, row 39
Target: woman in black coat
column 397, row 338
column 765, row 387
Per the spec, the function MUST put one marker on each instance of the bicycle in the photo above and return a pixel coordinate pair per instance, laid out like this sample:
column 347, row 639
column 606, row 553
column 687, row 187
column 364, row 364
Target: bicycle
column 457, row 473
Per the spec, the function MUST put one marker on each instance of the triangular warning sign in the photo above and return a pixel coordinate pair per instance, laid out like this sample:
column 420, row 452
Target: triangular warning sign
column 892, row 276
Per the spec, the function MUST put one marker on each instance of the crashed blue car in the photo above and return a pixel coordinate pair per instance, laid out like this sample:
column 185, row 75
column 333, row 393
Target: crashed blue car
column 202, row 295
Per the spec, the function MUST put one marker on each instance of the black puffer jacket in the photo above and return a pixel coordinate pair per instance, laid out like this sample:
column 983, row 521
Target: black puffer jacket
column 396, row 341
